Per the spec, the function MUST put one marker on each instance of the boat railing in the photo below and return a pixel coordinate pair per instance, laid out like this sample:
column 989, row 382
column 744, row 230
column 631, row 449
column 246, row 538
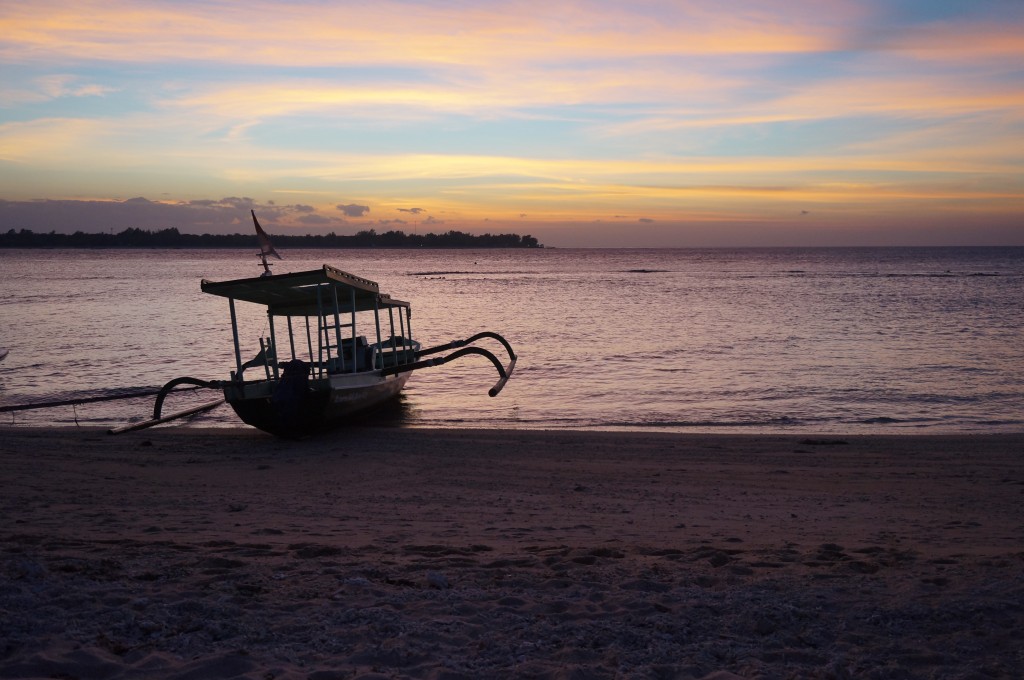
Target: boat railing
column 388, row 353
column 394, row 351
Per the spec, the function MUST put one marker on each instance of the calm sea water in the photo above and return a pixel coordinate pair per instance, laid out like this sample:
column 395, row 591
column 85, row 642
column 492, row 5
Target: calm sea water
column 756, row 340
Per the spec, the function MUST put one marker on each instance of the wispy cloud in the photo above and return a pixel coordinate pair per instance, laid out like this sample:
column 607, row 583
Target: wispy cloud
column 45, row 138
column 50, row 87
column 225, row 215
column 390, row 32
column 576, row 110
column 65, row 85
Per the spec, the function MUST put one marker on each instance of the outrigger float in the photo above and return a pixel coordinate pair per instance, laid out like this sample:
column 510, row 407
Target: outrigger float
column 337, row 349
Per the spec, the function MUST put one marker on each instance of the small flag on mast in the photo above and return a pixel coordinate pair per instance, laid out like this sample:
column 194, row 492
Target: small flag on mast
column 266, row 247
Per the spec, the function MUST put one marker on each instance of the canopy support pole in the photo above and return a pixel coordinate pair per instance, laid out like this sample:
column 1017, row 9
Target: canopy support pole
column 234, row 336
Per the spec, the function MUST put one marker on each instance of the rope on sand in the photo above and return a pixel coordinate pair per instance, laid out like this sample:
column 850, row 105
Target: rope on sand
column 135, row 394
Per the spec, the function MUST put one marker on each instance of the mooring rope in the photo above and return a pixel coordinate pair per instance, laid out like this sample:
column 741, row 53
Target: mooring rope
column 141, row 392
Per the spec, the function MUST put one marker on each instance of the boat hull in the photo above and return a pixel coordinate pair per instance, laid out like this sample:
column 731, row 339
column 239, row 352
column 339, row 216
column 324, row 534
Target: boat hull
column 326, row 404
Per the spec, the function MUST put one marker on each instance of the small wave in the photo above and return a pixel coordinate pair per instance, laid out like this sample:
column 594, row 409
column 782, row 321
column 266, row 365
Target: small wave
column 930, row 275
column 650, row 356
column 907, row 275
column 456, row 272
column 440, row 273
column 923, row 275
column 782, row 421
column 646, row 271
column 888, row 420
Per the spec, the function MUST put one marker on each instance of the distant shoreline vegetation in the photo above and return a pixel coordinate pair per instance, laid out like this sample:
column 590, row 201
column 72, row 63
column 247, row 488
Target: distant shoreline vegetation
column 172, row 238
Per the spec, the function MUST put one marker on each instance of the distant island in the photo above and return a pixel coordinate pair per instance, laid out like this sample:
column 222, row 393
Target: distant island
column 172, row 238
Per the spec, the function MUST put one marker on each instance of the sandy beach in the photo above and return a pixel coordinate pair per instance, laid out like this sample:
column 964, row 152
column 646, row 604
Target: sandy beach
column 390, row 553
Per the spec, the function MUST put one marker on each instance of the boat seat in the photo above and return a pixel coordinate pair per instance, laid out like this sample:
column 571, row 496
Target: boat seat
column 343, row 364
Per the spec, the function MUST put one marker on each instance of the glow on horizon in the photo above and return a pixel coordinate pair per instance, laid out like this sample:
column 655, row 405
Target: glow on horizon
column 582, row 123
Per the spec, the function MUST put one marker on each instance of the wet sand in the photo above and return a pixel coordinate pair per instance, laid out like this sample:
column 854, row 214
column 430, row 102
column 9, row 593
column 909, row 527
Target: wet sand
column 384, row 552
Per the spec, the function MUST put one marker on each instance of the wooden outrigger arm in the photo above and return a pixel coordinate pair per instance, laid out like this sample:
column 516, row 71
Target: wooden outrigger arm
column 468, row 341
column 184, row 380
column 131, row 427
column 504, row 372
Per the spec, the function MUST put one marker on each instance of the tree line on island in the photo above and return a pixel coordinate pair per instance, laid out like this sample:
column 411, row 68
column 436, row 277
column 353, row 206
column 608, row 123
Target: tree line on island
column 172, row 238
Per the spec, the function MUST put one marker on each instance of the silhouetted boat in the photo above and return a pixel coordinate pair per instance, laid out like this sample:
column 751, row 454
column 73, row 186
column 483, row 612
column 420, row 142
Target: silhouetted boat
column 337, row 348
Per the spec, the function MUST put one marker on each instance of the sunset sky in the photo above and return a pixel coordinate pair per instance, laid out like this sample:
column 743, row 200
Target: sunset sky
column 641, row 122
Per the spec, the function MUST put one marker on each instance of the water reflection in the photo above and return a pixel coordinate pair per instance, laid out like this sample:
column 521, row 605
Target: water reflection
column 776, row 339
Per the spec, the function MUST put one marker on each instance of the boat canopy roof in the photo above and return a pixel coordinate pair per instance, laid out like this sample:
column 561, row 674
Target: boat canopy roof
column 309, row 293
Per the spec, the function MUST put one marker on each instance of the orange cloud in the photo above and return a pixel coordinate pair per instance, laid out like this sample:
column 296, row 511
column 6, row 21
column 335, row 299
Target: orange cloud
column 44, row 138
column 392, row 32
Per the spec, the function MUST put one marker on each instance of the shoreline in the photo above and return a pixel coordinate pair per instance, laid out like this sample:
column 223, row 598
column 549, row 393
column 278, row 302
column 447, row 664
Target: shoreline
column 382, row 552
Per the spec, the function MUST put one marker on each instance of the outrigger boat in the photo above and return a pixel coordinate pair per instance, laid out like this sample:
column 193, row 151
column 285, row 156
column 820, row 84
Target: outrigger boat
column 317, row 368
column 337, row 348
